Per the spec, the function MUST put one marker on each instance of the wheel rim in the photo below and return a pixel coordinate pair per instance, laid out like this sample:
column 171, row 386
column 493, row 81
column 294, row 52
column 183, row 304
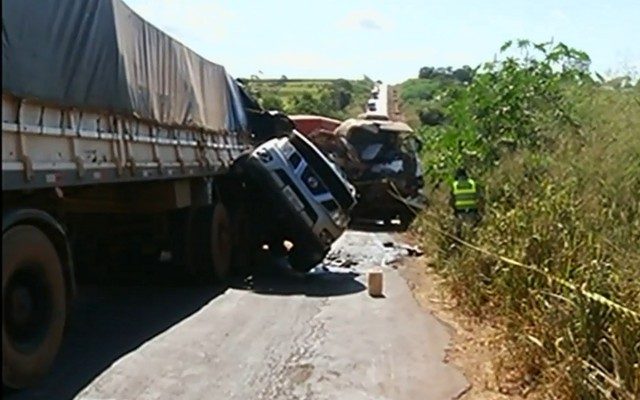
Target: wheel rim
column 27, row 309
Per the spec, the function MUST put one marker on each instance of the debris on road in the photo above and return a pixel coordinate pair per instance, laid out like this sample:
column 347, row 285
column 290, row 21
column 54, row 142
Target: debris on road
column 339, row 260
column 411, row 251
column 346, row 263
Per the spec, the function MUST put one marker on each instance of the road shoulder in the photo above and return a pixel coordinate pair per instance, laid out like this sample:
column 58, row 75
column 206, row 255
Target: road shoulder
column 475, row 347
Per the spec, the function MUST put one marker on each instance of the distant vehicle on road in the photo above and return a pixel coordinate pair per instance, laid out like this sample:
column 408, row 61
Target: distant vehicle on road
column 373, row 116
column 375, row 92
column 372, row 105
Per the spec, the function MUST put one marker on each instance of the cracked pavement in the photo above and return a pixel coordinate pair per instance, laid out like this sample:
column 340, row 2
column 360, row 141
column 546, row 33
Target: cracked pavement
column 318, row 338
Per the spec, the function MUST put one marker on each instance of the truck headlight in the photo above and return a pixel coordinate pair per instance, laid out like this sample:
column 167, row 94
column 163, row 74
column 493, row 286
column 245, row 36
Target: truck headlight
column 339, row 218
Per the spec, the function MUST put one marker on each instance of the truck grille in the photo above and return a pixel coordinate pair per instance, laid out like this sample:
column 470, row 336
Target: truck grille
column 307, row 207
column 294, row 160
column 308, row 176
column 324, row 171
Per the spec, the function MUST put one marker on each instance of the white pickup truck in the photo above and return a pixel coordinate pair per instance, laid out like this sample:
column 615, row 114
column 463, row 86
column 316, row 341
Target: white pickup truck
column 292, row 172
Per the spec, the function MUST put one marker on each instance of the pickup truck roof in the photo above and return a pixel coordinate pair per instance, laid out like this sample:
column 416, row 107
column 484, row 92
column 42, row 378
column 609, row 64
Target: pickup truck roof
column 100, row 55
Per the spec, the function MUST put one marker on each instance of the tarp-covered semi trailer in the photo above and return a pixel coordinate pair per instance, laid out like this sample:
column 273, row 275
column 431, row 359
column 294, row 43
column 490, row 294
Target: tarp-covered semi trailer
column 117, row 141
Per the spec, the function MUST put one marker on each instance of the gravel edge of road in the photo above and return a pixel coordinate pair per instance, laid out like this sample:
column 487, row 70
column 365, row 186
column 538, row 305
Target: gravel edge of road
column 475, row 347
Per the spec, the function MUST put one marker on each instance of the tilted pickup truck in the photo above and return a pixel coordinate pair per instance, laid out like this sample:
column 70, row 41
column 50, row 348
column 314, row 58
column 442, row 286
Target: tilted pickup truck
column 310, row 197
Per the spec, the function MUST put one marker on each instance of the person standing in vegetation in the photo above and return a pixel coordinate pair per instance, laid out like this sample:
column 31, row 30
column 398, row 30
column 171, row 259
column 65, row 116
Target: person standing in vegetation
column 465, row 200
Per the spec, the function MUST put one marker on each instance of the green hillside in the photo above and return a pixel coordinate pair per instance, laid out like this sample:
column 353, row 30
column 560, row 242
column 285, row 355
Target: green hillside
column 338, row 98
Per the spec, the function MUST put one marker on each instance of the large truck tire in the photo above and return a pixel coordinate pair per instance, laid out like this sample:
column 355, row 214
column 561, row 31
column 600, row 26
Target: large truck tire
column 246, row 241
column 406, row 219
column 34, row 305
column 221, row 242
column 209, row 243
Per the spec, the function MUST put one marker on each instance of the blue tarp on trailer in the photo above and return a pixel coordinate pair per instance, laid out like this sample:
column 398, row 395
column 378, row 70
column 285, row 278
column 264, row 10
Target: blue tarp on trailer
column 100, row 55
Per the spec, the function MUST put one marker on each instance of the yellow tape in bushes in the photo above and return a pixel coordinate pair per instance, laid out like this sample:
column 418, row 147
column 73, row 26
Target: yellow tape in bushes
column 596, row 297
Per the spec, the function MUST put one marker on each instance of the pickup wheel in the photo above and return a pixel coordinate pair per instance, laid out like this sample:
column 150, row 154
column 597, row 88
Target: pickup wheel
column 34, row 305
column 209, row 244
column 303, row 260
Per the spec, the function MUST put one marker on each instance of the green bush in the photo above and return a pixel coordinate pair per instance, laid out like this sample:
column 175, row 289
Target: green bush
column 559, row 156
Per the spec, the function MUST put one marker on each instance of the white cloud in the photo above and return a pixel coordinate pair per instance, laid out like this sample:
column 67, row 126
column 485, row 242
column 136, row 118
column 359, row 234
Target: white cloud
column 558, row 15
column 367, row 19
column 200, row 20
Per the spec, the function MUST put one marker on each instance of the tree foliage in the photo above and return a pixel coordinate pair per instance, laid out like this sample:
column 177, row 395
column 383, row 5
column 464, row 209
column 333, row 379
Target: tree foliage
column 272, row 102
column 558, row 156
column 506, row 104
column 463, row 74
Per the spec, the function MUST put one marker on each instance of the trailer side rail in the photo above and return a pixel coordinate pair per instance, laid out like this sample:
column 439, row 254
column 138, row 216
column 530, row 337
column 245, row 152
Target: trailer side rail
column 47, row 146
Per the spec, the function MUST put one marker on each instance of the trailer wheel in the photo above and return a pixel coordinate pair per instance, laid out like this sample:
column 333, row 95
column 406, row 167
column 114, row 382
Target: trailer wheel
column 221, row 240
column 246, row 243
column 34, row 305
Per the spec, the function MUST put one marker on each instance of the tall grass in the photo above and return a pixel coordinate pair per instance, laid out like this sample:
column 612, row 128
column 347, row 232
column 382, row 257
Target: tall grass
column 572, row 208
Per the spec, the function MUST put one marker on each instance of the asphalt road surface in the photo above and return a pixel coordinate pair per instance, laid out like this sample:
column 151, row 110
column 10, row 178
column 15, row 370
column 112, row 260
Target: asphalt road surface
column 272, row 338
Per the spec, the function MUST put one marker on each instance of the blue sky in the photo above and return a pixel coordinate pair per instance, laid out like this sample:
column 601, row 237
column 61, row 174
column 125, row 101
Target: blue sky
column 390, row 40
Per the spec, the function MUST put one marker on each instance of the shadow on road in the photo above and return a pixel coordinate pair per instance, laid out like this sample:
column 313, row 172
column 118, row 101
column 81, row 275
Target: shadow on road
column 110, row 321
column 323, row 283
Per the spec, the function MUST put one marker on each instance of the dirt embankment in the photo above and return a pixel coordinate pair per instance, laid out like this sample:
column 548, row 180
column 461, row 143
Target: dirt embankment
column 393, row 106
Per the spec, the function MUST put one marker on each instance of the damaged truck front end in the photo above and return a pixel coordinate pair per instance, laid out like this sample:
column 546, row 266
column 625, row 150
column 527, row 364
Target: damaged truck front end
column 389, row 176
column 380, row 157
